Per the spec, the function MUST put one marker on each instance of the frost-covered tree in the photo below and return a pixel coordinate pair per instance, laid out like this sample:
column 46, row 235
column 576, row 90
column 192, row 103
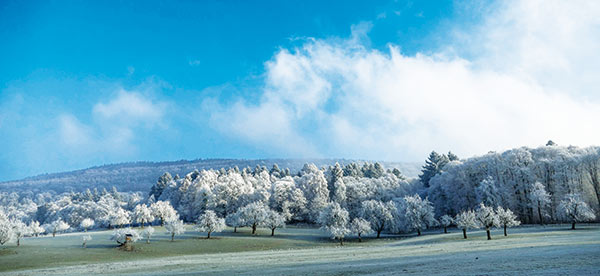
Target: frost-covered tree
column 487, row 218
column 209, row 222
column 314, row 185
column 288, row 199
column 161, row 184
column 163, row 211
column 539, row 199
column 466, row 220
column 85, row 239
column 20, row 229
column 433, row 165
column 175, row 227
column 86, row 224
column 119, row 217
column 233, row 220
column 506, row 218
column 6, row 230
column 574, row 209
column 419, row 213
column 487, row 192
column 274, row 220
column 120, row 235
column 360, row 227
column 334, row 219
column 253, row 215
column 57, row 226
column 142, row 214
column 147, row 233
column 35, row 228
column 446, row 221
column 378, row 213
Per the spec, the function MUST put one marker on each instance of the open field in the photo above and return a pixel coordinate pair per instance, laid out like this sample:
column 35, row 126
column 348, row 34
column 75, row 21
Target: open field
column 302, row 251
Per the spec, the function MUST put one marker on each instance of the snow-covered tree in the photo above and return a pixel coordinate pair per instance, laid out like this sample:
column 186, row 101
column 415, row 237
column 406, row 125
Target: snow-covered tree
column 119, row 217
column 446, row 221
column 85, row 239
column 209, row 222
column 20, row 229
column 360, row 227
column 334, row 219
column 233, row 220
column 35, row 228
column 147, row 233
column 506, row 218
column 57, row 226
column 120, row 235
column 163, row 211
column 86, row 224
column 487, row 218
column 574, row 209
column 161, row 184
column 488, row 193
column 433, row 165
column 253, row 215
column 378, row 213
column 419, row 213
column 314, row 185
column 539, row 199
column 6, row 230
column 175, row 227
column 466, row 220
column 142, row 214
column 273, row 221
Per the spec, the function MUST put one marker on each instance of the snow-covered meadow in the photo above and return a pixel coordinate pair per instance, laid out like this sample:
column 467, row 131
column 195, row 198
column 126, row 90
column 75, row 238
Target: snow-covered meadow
column 531, row 250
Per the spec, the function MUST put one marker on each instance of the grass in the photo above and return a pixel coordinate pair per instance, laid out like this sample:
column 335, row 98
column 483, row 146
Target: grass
column 66, row 249
column 228, row 252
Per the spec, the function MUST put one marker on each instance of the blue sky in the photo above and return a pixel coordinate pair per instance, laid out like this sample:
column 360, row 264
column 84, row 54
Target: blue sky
column 89, row 83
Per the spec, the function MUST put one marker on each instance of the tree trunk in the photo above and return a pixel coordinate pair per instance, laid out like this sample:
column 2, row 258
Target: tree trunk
column 342, row 241
column 172, row 236
column 378, row 233
column 272, row 232
column 540, row 213
column 505, row 230
column 253, row 228
column 235, row 229
column 445, row 229
column 85, row 230
column 489, row 236
column 162, row 222
column 142, row 224
column 573, row 226
column 148, row 240
column 54, row 234
column 359, row 238
column 465, row 233
column 208, row 237
column 418, row 232
column 18, row 242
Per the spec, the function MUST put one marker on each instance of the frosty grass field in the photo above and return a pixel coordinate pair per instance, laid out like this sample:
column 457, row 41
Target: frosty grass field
column 304, row 251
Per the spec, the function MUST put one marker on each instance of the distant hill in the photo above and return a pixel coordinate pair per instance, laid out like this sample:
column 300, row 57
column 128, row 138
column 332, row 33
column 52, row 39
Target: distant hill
column 140, row 176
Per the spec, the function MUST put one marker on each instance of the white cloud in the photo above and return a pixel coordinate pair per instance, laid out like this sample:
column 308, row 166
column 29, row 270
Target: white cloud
column 529, row 78
column 115, row 124
column 130, row 107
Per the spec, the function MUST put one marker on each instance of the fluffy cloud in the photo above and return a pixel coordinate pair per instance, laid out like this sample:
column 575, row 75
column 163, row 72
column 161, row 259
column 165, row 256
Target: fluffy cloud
column 525, row 76
column 114, row 126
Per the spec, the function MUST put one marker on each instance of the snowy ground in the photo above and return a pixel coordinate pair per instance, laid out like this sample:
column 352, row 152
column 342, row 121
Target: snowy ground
column 527, row 250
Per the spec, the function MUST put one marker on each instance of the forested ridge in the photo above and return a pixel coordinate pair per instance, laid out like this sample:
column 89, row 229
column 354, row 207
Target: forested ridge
column 547, row 184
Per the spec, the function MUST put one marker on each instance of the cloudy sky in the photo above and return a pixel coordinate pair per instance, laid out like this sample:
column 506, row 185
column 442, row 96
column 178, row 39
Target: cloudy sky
column 91, row 83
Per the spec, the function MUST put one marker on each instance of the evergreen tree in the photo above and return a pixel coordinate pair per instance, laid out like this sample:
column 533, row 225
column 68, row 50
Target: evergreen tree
column 160, row 185
column 433, row 166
